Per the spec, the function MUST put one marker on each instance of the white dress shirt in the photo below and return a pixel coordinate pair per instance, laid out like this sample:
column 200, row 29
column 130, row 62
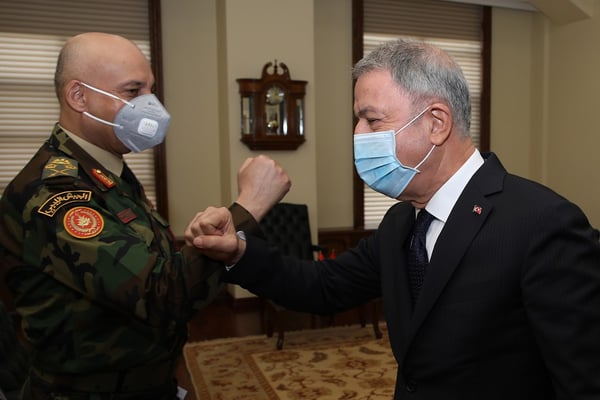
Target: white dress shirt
column 443, row 200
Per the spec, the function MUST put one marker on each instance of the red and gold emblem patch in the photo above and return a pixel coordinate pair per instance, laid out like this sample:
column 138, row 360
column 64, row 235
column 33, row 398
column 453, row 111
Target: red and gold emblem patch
column 83, row 222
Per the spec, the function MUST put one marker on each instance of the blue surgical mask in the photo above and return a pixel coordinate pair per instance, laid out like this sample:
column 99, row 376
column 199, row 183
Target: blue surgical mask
column 376, row 162
column 140, row 124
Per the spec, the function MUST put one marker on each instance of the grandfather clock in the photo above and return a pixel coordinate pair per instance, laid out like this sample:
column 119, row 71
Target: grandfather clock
column 272, row 109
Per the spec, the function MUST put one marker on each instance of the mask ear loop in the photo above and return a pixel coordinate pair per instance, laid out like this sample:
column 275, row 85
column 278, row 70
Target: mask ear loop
column 112, row 96
column 409, row 122
column 107, row 94
column 416, row 167
column 425, row 159
column 102, row 121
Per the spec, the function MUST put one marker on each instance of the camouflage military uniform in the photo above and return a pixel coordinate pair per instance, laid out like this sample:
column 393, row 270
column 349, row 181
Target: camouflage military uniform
column 104, row 295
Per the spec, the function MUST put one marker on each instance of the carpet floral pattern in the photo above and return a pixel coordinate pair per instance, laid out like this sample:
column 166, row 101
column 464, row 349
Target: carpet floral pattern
column 342, row 363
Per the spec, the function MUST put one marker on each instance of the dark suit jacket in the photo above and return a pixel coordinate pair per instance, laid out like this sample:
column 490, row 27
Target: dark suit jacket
column 510, row 307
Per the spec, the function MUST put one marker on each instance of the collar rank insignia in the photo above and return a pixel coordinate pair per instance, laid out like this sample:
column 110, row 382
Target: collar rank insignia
column 60, row 166
column 103, row 178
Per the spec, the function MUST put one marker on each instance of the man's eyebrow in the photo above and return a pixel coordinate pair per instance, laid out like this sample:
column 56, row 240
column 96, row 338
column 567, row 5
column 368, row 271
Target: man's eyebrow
column 132, row 83
column 363, row 111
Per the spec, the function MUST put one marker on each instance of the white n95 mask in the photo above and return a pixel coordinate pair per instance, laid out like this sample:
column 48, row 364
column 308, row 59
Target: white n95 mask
column 140, row 124
column 376, row 162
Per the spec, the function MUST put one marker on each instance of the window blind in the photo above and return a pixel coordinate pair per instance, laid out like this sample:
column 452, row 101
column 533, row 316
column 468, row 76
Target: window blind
column 32, row 33
column 454, row 27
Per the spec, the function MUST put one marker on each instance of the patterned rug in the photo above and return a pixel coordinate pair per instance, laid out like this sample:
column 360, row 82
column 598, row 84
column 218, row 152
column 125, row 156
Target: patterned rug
column 331, row 363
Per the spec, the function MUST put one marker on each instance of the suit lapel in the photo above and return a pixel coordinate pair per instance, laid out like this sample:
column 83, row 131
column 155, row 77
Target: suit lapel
column 394, row 231
column 400, row 279
column 468, row 215
column 453, row 242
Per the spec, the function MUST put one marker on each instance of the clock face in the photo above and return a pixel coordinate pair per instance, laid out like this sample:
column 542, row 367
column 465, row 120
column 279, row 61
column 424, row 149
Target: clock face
column 275, row 95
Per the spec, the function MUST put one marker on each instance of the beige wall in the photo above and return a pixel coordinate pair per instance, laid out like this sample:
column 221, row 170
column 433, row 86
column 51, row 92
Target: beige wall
column 544, row 77
column 248, row 48
column 545, row 82
column 573, row 130
column 191, row 92
column 207, row 45
column 333, row 64
column 512, row 112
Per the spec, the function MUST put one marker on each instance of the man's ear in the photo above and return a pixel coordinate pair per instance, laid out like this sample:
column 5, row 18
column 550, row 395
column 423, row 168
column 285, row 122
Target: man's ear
column 442, row 122
column 74, row 96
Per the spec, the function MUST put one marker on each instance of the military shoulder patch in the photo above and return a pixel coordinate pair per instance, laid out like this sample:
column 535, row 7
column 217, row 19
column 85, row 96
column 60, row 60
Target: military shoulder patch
column 60, row 166
column 58, row 200
column 83, row 222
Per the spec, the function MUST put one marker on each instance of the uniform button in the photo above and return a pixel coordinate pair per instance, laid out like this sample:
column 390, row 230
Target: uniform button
column 411, row 386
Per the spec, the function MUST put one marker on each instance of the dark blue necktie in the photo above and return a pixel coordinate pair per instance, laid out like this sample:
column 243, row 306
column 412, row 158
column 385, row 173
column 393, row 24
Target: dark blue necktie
column 417, row 253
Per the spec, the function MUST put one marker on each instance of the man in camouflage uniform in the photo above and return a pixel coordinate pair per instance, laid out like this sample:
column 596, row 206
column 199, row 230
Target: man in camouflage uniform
column 103, row 294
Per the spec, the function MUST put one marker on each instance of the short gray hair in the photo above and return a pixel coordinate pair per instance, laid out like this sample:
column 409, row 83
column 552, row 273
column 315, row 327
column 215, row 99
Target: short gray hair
column 425, row 72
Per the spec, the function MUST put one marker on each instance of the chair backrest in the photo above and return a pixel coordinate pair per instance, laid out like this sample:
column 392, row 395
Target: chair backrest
column 287, row 227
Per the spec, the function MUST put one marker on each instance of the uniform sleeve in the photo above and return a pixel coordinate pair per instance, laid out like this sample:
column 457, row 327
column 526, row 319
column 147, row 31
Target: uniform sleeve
column 114, row 262
column 202, row 275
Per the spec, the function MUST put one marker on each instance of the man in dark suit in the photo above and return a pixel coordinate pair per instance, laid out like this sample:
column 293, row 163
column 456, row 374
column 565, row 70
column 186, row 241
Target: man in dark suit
column 504, row 304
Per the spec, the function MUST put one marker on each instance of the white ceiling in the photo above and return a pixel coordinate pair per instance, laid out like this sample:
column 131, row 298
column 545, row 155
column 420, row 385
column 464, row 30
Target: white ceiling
column 558, row 11
column 516, row 4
